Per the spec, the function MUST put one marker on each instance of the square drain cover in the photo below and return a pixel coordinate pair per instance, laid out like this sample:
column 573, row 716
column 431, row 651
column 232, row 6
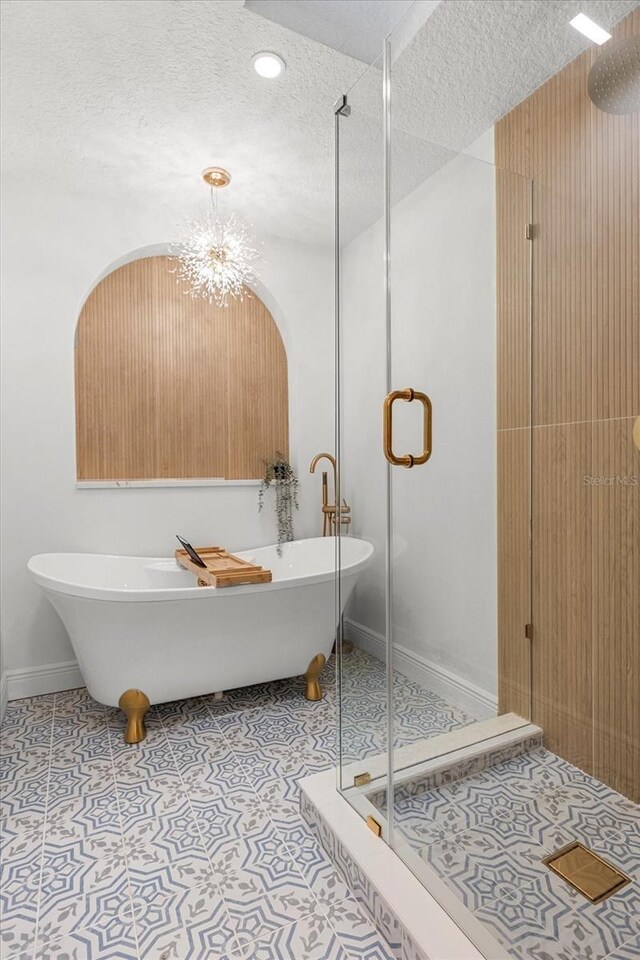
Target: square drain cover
column 588, row 873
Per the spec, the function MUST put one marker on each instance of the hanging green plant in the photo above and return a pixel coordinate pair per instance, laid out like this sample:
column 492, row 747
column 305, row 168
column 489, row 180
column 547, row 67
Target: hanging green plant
column 279, row 474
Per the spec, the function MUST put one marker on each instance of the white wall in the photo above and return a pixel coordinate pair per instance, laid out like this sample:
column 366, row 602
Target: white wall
column 54, row 248
column 443, row 342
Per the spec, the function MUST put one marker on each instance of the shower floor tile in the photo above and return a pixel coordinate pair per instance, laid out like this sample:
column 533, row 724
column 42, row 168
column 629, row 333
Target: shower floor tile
column 486, row 836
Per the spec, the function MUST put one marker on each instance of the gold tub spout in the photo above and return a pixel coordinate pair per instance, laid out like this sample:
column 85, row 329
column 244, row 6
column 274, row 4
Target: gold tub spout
column 313, row 690
column 135, row 704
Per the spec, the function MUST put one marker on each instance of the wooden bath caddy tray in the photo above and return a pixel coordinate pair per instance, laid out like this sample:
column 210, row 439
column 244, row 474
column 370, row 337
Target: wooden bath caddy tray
column 223, row 569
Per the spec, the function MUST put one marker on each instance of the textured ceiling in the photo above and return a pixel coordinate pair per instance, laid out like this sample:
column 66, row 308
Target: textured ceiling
column 466, row 66
column 357, row 28
column 134, row 98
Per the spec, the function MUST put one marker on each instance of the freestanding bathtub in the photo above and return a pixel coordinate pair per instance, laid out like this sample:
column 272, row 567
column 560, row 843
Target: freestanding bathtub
column 141, row 626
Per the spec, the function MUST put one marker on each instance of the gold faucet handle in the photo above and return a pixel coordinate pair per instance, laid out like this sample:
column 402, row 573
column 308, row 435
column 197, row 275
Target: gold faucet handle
column 345, row 508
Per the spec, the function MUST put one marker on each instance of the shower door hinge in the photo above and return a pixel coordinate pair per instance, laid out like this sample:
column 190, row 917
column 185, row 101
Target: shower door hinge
column 341, row 107
column 374, row 826
column 528, row 631
column 362, row 779
column 528, row 231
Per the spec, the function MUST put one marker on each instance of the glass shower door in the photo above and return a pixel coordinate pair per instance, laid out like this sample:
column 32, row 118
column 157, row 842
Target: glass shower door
column 421, row 448
column 459, row 439
column 361, row 382
column 426, row 453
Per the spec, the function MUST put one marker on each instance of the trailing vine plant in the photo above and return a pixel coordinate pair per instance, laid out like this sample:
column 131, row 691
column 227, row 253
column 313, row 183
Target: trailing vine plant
column 279, row 474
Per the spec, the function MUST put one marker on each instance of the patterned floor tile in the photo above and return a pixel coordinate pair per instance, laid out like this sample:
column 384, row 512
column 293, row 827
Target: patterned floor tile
column 320, row 755
column 518, row 902
column 69, row 874
column 102, row 905
column 261, row 886
column 487, row 834
column 236, row 813
column 310, row 938
column 219, row 773
column 26, row 795
column 18, row 764
column 21, row 835
column 191, row 843
column 70, row 786
column 494, row 824
column 268, row 728
column 325, row 882
column 244, row 699
column 105, row 845
column 609, row 832
column 628, row 951
column 192, row 869
column 26, row 736
column 199, row 929
column 166, row 788
column 17, row 939
column 107, row 942
column 29, row 710
column 619, row 915
column 450, row 859
column 95, row 811
column 357, row 934
column 19, row 887
column 268, row 764
column 176, row 918
column 176, row 832
column 66, row 735
column 145, row 765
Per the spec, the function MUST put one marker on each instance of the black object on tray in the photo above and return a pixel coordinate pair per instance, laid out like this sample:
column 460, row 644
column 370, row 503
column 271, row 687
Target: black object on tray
column 195, row 556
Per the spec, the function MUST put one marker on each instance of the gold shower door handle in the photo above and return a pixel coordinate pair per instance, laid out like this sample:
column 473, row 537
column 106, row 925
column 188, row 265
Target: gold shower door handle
column 408, row 460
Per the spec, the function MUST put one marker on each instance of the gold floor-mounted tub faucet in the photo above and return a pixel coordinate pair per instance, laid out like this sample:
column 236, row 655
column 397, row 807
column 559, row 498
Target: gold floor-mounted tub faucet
column 330, row 511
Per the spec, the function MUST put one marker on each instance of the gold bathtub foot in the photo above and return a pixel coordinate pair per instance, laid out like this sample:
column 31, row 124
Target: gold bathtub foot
column 135, row 704
column 313, row 690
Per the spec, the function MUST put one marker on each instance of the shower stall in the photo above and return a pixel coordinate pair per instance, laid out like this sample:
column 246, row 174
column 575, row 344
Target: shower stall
column 488, row 396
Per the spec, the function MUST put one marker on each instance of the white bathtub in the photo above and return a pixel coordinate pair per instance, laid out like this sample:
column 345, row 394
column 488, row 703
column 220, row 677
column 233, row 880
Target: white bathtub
column 143, row 623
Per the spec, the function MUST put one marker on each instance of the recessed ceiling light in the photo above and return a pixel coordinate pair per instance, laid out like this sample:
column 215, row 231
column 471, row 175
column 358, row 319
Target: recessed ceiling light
column 590, row 29
column 268, row 65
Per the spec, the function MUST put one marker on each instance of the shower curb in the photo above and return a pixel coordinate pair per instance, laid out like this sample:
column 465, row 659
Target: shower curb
column 416, row 923
column 443, row 773
column 407, row 901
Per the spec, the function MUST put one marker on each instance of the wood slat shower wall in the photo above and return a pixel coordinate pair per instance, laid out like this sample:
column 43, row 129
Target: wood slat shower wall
column 585, row 165
column 169, row 386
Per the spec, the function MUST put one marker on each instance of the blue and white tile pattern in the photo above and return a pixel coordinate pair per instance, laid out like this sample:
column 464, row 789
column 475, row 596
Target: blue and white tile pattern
column 191, row 844
column 188, row 845
column 486, row 836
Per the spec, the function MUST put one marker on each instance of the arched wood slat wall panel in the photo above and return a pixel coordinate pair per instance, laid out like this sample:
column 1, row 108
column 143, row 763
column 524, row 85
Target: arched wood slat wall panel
column 169, row 386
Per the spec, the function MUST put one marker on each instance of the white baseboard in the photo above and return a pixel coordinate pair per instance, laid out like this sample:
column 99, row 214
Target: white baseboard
column 46, row 678
column 3, row 695
column 461, row 693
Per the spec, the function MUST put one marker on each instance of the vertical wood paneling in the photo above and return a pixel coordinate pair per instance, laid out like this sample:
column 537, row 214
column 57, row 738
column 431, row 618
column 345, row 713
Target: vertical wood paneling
column 513, row 571
column 512, row 293
column 615, row 608
column 168, row 386
column 563, row 546
column 585, row 165
column 257, row 417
